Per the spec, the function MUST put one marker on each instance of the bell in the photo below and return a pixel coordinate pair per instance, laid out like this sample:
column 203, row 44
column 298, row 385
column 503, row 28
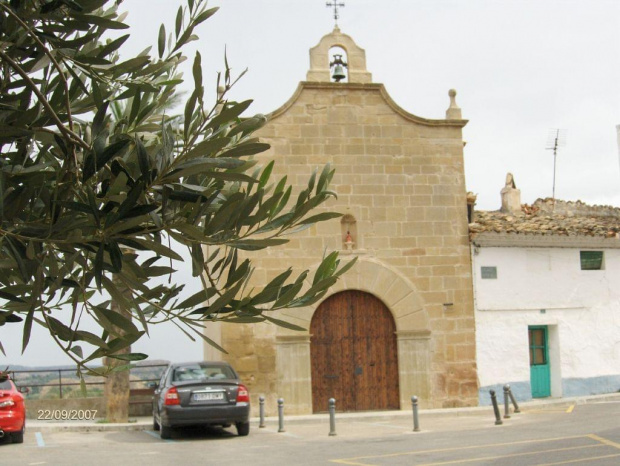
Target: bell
column 339, row 66
column 338, row 73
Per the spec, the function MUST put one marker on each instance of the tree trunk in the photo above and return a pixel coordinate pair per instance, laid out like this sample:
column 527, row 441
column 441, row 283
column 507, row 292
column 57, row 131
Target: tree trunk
column 116, row 386
column 116, row 391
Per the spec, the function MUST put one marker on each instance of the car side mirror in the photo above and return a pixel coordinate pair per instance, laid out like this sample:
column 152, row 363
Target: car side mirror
column 152, row 385
column 23, row 390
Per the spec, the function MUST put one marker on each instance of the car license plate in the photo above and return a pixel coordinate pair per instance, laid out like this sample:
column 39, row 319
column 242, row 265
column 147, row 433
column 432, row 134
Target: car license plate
column 208, row 396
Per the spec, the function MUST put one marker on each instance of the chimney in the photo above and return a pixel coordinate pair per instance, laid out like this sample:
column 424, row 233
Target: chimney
column 511, row 196
column 471, row 204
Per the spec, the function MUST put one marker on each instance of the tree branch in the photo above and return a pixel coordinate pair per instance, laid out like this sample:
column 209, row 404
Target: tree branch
column 51, row 57
column 74, row 138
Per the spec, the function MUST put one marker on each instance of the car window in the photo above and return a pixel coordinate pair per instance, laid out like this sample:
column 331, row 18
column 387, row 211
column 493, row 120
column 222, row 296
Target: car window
column 6, row 385
column 201, row 372
column 164, row 376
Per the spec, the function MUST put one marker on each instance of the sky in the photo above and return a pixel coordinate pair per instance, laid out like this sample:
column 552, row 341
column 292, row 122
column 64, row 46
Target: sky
column 521, row 68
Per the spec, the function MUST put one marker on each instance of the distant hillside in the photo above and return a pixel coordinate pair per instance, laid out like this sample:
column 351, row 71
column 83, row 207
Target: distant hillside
column 15, row 367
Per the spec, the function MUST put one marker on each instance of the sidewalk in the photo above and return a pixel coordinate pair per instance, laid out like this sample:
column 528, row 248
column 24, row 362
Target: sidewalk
column 146, row 423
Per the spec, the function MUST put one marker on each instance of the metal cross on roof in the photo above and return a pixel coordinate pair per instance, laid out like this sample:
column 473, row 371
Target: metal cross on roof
column 335, row 4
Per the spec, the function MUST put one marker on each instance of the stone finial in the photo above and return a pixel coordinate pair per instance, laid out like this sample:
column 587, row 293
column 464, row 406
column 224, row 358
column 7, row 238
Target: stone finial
column 511, row 196
column 355, row 58
column 454, row 111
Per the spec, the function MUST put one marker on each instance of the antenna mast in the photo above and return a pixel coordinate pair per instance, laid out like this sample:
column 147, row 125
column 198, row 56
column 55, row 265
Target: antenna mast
column 557, row 138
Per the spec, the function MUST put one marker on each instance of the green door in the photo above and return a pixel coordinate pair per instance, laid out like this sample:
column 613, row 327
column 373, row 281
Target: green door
column 540, row 377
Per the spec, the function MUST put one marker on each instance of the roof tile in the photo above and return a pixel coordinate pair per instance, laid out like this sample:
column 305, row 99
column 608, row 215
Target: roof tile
column 546, row 217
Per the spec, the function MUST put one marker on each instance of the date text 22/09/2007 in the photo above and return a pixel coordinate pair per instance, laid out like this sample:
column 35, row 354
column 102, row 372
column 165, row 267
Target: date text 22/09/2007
column 66, row 414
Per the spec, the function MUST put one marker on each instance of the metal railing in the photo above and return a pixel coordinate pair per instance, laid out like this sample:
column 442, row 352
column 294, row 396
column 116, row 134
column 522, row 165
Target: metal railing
column 23, row 381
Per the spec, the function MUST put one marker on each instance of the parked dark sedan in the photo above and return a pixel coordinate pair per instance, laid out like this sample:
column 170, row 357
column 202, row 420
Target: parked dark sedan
column 200, row 393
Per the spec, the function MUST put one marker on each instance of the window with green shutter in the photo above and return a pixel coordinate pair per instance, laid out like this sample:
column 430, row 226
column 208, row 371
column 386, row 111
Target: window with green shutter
column 488, row 273
column 591, row 260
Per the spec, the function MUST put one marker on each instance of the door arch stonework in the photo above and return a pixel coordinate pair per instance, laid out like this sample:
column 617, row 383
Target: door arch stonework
column 293, row 358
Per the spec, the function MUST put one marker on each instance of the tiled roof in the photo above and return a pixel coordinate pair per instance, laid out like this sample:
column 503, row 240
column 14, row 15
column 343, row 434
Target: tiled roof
column 546, row 218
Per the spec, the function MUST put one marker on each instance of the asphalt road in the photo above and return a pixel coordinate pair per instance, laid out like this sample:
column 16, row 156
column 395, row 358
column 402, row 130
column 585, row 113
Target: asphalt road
column 583, row 434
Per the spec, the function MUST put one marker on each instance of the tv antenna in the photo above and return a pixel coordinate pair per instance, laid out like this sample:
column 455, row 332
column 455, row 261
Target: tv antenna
column 557, row 138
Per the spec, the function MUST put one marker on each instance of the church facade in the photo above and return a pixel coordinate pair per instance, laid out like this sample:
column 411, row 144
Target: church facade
column 401, row 322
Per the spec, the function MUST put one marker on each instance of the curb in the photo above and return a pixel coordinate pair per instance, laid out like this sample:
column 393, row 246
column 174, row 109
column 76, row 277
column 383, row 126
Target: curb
column 67, row 426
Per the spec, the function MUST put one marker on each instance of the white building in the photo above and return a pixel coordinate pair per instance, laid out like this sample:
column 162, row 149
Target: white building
column 547, row 298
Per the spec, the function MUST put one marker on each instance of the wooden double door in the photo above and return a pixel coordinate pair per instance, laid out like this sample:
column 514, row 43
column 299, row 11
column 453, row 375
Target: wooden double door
column 354, row 354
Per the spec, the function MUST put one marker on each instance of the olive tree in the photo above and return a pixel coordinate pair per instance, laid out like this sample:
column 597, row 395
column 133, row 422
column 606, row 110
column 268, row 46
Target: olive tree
column 101, row 183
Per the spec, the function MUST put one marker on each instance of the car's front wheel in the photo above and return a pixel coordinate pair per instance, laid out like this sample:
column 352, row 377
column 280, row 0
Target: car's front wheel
column 165, row 432
column 243, row 428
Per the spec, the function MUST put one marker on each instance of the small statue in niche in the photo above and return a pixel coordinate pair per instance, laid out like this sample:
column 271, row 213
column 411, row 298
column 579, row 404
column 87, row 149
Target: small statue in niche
column 348, row 241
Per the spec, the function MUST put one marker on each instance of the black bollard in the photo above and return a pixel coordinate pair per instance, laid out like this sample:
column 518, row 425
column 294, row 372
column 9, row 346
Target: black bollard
column 261, row 404
column 332, row 416
column 281, row 415
column 512, row 398
column 498, row 418
column 506, row 402
column 416, row 422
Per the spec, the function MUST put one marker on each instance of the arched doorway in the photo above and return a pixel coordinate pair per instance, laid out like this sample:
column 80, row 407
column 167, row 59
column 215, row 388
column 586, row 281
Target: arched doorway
column 353, row 354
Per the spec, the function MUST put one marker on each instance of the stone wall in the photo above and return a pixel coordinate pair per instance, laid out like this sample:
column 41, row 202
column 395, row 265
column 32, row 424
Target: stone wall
column 34, row 408
column 140, row 404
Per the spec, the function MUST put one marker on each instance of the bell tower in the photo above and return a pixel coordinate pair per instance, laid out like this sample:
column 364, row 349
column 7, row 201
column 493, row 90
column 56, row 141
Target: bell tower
column 325, row 52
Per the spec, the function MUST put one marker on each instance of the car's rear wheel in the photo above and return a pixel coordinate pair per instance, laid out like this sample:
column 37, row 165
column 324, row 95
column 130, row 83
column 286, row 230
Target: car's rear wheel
column 18, row 437
column 165, row 432
column 243, row 428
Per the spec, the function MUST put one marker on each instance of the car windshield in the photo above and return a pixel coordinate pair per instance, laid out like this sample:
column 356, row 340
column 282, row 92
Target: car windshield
column 200, row 372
